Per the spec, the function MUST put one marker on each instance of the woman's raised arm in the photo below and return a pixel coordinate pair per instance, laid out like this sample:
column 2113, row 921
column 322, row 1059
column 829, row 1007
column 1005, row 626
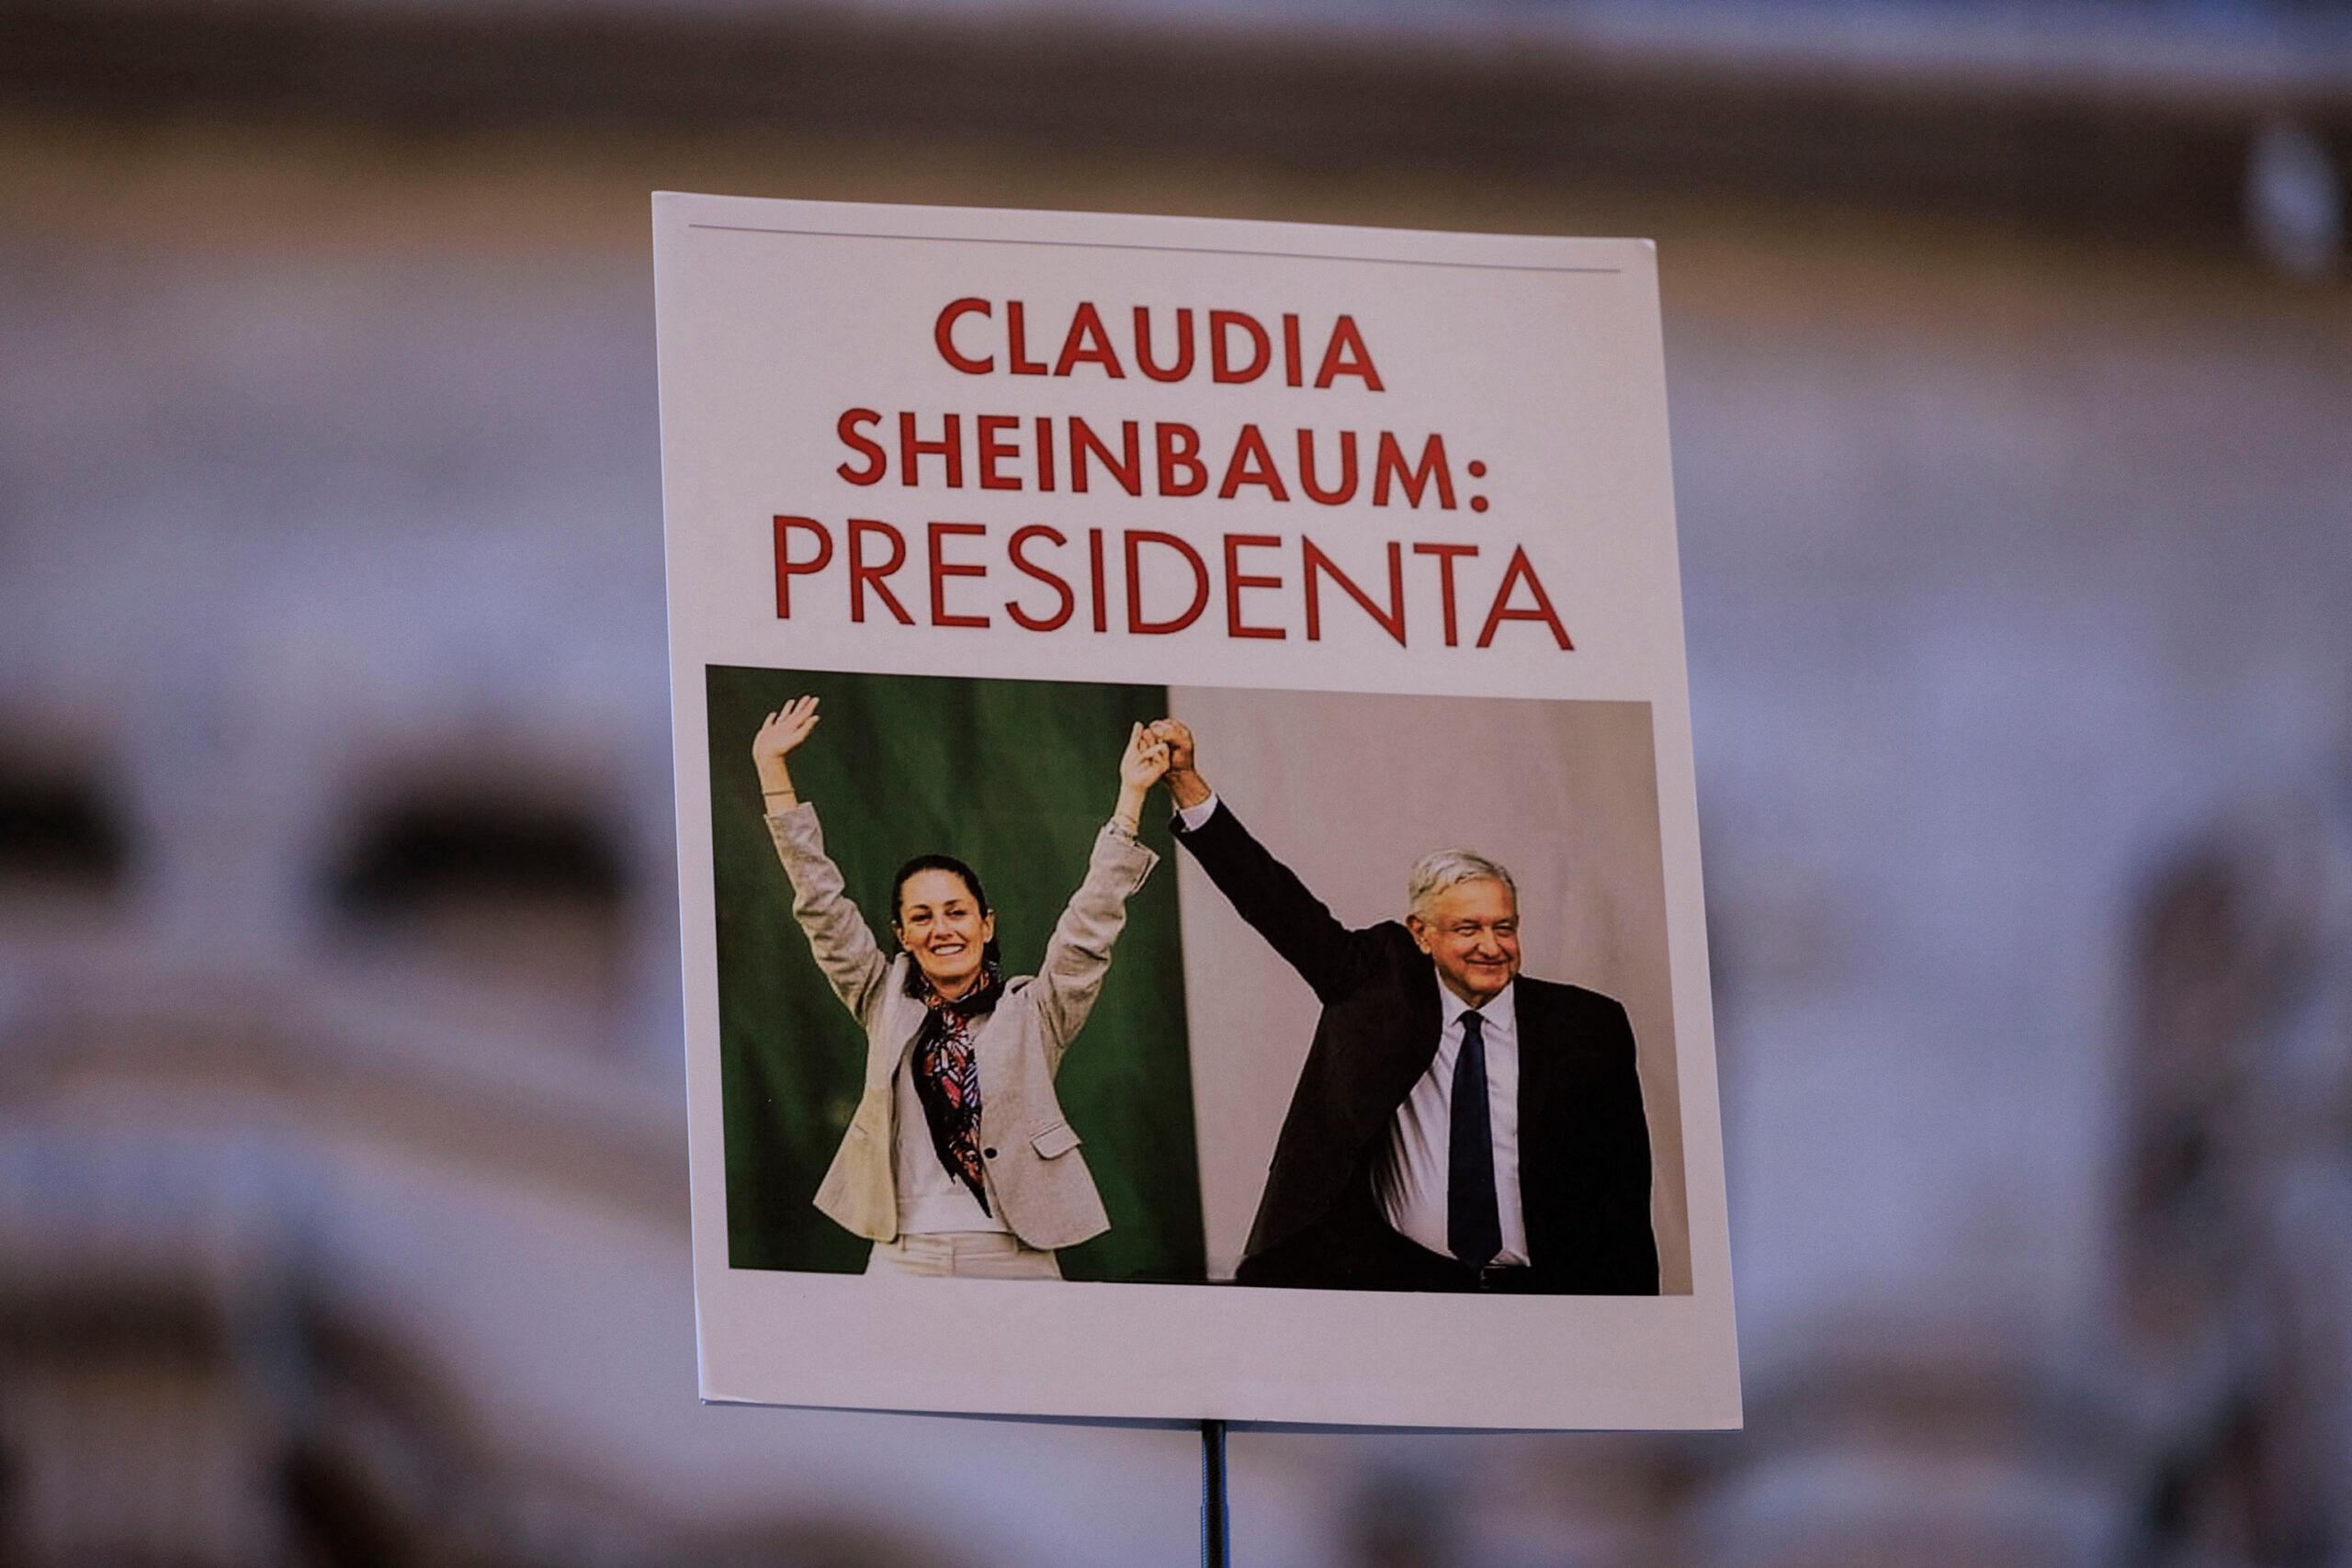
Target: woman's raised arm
column 839, row 937
column 1140, row 767
column 1078, row 955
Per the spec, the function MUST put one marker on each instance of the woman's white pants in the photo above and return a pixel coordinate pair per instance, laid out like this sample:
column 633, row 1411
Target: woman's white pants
column 963, row 1255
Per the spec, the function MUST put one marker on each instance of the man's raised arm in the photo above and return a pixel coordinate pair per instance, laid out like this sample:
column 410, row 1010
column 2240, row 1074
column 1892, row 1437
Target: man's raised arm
column 1262, row 889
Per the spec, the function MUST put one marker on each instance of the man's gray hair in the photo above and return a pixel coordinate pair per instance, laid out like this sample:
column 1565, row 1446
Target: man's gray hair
column 1441, row 869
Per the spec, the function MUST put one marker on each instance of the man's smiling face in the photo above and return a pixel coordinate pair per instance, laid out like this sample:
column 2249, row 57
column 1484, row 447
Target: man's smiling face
column 1471, row 931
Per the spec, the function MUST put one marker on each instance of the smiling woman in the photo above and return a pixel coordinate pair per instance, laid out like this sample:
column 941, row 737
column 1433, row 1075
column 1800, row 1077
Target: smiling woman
column 941, row 915
column 959, row 1158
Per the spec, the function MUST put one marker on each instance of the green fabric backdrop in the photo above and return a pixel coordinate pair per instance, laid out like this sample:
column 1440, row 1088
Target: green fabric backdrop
column 1014, row 777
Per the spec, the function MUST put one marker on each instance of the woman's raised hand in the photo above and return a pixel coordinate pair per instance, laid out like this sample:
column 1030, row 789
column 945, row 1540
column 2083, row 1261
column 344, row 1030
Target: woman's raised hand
column 1146, row 759
column 784, row 730
column 779, row 737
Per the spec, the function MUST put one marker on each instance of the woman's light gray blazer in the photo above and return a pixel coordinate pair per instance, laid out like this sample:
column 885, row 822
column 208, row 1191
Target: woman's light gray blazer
column 1039, row 1181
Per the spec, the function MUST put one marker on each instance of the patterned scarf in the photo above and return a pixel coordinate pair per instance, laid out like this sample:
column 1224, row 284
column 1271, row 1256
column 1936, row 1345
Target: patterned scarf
column 947, row 1081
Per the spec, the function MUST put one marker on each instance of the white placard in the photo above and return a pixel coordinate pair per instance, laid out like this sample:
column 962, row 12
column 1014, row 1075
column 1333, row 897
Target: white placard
column 1388, row 517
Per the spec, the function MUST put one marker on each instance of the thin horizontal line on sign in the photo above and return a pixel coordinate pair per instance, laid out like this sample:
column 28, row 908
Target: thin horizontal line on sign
column 1103, row 245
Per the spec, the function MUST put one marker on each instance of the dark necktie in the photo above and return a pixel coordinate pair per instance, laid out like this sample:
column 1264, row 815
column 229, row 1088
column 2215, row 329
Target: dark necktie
column 1474, row 1225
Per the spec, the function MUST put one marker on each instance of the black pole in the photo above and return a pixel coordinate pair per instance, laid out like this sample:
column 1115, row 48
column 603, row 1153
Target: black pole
column 1217, row 1533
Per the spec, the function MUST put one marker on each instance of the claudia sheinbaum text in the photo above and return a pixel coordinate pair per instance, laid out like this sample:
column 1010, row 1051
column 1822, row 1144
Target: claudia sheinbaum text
column 971, row 573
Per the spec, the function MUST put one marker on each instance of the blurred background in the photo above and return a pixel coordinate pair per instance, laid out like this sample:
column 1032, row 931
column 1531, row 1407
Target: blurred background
column 342, row 1158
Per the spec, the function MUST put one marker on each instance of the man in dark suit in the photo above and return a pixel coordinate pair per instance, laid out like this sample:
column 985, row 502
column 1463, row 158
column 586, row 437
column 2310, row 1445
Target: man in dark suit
column 1456, row 1127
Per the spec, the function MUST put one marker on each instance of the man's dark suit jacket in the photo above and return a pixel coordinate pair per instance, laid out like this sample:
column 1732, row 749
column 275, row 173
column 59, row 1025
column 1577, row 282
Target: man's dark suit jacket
column 1584, row 1147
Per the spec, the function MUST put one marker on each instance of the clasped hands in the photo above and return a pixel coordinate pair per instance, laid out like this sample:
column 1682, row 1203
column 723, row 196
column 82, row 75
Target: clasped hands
column 1162, row 749
column 1186, row 787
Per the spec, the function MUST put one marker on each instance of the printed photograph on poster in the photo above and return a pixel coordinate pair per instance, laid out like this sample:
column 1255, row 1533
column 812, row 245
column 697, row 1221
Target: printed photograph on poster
column 1188, row 859
column 1028, row 934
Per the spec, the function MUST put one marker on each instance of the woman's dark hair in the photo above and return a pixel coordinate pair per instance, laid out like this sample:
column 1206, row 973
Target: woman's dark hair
column 989, row 956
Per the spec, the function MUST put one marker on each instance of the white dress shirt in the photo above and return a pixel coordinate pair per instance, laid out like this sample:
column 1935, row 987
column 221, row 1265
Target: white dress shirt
column 1409, row 1178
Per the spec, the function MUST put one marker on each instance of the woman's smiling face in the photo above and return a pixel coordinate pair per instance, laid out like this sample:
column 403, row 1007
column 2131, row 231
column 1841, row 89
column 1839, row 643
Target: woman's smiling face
column 942, row 924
